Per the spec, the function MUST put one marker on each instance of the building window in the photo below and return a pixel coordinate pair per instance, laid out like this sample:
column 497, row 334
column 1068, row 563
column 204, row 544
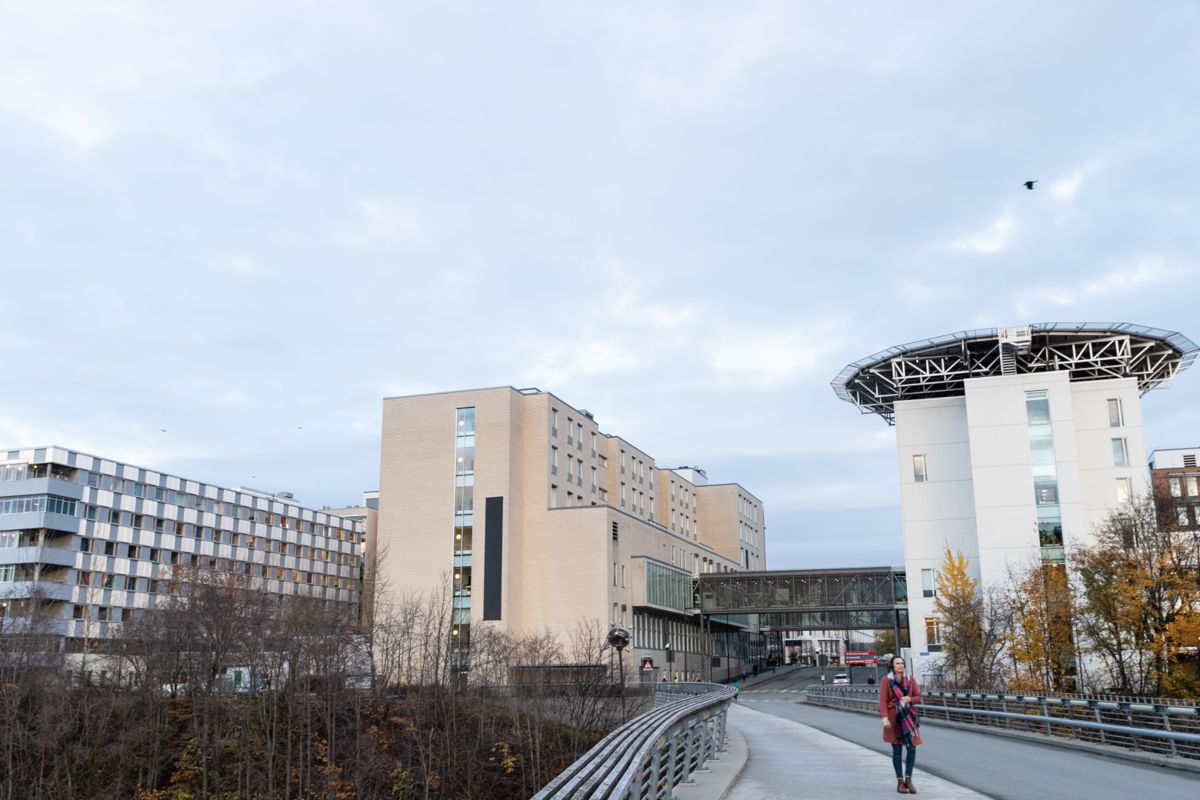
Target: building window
column 928, row 583
column 616, row 533
column 919, row 473
column 553, row 460
column 1045, row 472
column 554, row 422
column 1124, row 490
column 1181, row 516
column 933, row 633
column 1116, row 416
column 1191, row 486
column 1120, row 453
column 1176, row 486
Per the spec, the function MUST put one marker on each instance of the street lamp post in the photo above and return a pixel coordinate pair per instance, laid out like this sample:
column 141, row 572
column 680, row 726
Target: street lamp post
column 618, row 637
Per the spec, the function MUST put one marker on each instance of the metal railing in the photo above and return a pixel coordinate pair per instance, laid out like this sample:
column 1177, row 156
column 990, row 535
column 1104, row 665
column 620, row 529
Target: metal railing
column 645, row 758
column 1156, row 728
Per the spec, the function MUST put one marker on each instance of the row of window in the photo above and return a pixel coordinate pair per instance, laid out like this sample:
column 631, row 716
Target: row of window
column 134, row 583
column 668, row 587
column 26, row 504
column 1181, row 516
column 1039, row 413
column 574, row 431
column 640, row 471
column 747, row 508
column 101, row 613
column 686, row 497
column 242, row 508
column 108, row 547
column 152, row 554
column 135, row 520
column 653, row 632
column 464, row 517
column 32, row 503
column 145, row 522
column 1178, row 482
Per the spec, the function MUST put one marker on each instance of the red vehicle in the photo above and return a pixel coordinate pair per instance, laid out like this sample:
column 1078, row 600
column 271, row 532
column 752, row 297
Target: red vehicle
column 862, row 658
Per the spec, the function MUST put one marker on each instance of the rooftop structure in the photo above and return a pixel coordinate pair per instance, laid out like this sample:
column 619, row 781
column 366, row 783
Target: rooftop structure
column 1088, row 351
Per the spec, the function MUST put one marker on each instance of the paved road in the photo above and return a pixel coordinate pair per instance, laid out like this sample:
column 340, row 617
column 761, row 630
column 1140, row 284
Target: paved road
column 995, row 766
column 788, row 760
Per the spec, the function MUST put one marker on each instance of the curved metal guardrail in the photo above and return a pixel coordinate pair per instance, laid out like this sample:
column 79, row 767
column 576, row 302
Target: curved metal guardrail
column 1156, row 728
column 647, row 756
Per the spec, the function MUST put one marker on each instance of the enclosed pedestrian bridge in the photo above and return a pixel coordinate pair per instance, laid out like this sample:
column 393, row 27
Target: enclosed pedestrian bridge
column 856, row 598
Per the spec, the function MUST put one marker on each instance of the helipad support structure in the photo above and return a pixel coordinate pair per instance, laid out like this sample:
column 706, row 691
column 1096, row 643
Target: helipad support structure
column 1012, row 443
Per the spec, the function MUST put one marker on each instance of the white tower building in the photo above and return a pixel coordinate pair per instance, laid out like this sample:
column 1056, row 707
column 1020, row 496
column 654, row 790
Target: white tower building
column 1012, row 443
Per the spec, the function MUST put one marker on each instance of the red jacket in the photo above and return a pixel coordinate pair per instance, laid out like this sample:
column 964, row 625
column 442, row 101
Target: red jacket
column 887, row 708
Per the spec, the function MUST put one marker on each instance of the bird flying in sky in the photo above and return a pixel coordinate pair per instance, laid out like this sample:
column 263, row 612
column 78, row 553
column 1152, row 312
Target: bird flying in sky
column 1029, row 185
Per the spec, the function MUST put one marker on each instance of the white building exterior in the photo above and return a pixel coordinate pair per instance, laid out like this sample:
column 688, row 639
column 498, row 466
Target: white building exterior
column 1012, row 444
column 980, row 494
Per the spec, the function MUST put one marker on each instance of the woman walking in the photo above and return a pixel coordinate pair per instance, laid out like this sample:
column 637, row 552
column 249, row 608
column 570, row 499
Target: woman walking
column 898, row 698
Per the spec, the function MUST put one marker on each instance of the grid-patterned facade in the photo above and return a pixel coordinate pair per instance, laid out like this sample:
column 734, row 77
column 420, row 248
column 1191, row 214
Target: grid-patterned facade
column 96, row 541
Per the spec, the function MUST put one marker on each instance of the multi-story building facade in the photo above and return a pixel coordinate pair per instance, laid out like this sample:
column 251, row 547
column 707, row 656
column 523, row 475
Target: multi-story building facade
column 1012, row 443
column 539, row 521
column 367, row 518
column 94, row 541
column 1176, row 478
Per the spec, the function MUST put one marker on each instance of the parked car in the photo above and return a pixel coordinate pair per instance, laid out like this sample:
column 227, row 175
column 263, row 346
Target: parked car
column 841, row 679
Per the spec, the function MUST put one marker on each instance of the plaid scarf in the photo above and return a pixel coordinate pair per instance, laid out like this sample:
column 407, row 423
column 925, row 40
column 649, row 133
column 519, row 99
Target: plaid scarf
column 906, row 715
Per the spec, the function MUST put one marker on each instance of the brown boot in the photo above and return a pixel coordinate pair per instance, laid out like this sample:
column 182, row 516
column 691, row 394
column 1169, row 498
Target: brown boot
column 908, row 785
column 900, row 787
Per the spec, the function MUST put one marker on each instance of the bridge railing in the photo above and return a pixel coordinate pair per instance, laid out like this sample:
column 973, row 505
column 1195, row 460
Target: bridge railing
column 646, row 757
column 1156, row 728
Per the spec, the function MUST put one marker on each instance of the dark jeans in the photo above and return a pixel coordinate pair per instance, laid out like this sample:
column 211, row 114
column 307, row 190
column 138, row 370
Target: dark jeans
column 909, row 763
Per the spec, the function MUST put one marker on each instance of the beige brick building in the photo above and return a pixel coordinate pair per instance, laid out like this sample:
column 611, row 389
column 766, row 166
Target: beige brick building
column 540, row 521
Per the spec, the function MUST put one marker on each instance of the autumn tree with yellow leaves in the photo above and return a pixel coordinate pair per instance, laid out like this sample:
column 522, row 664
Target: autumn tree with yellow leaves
column 973, row 628
column 1040, row 640
column 1139, row 601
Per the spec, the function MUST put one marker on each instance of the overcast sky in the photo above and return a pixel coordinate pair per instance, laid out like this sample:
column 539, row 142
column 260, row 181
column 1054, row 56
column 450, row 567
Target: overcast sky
column 247, row 223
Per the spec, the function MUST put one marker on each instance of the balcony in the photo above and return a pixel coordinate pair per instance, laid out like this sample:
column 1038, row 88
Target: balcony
column 50, row 590
column 45, row 485
column 1053, row 554
column 58, row 556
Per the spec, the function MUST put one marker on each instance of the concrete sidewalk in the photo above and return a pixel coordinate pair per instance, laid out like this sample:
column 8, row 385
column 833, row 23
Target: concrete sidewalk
column 785, row 760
